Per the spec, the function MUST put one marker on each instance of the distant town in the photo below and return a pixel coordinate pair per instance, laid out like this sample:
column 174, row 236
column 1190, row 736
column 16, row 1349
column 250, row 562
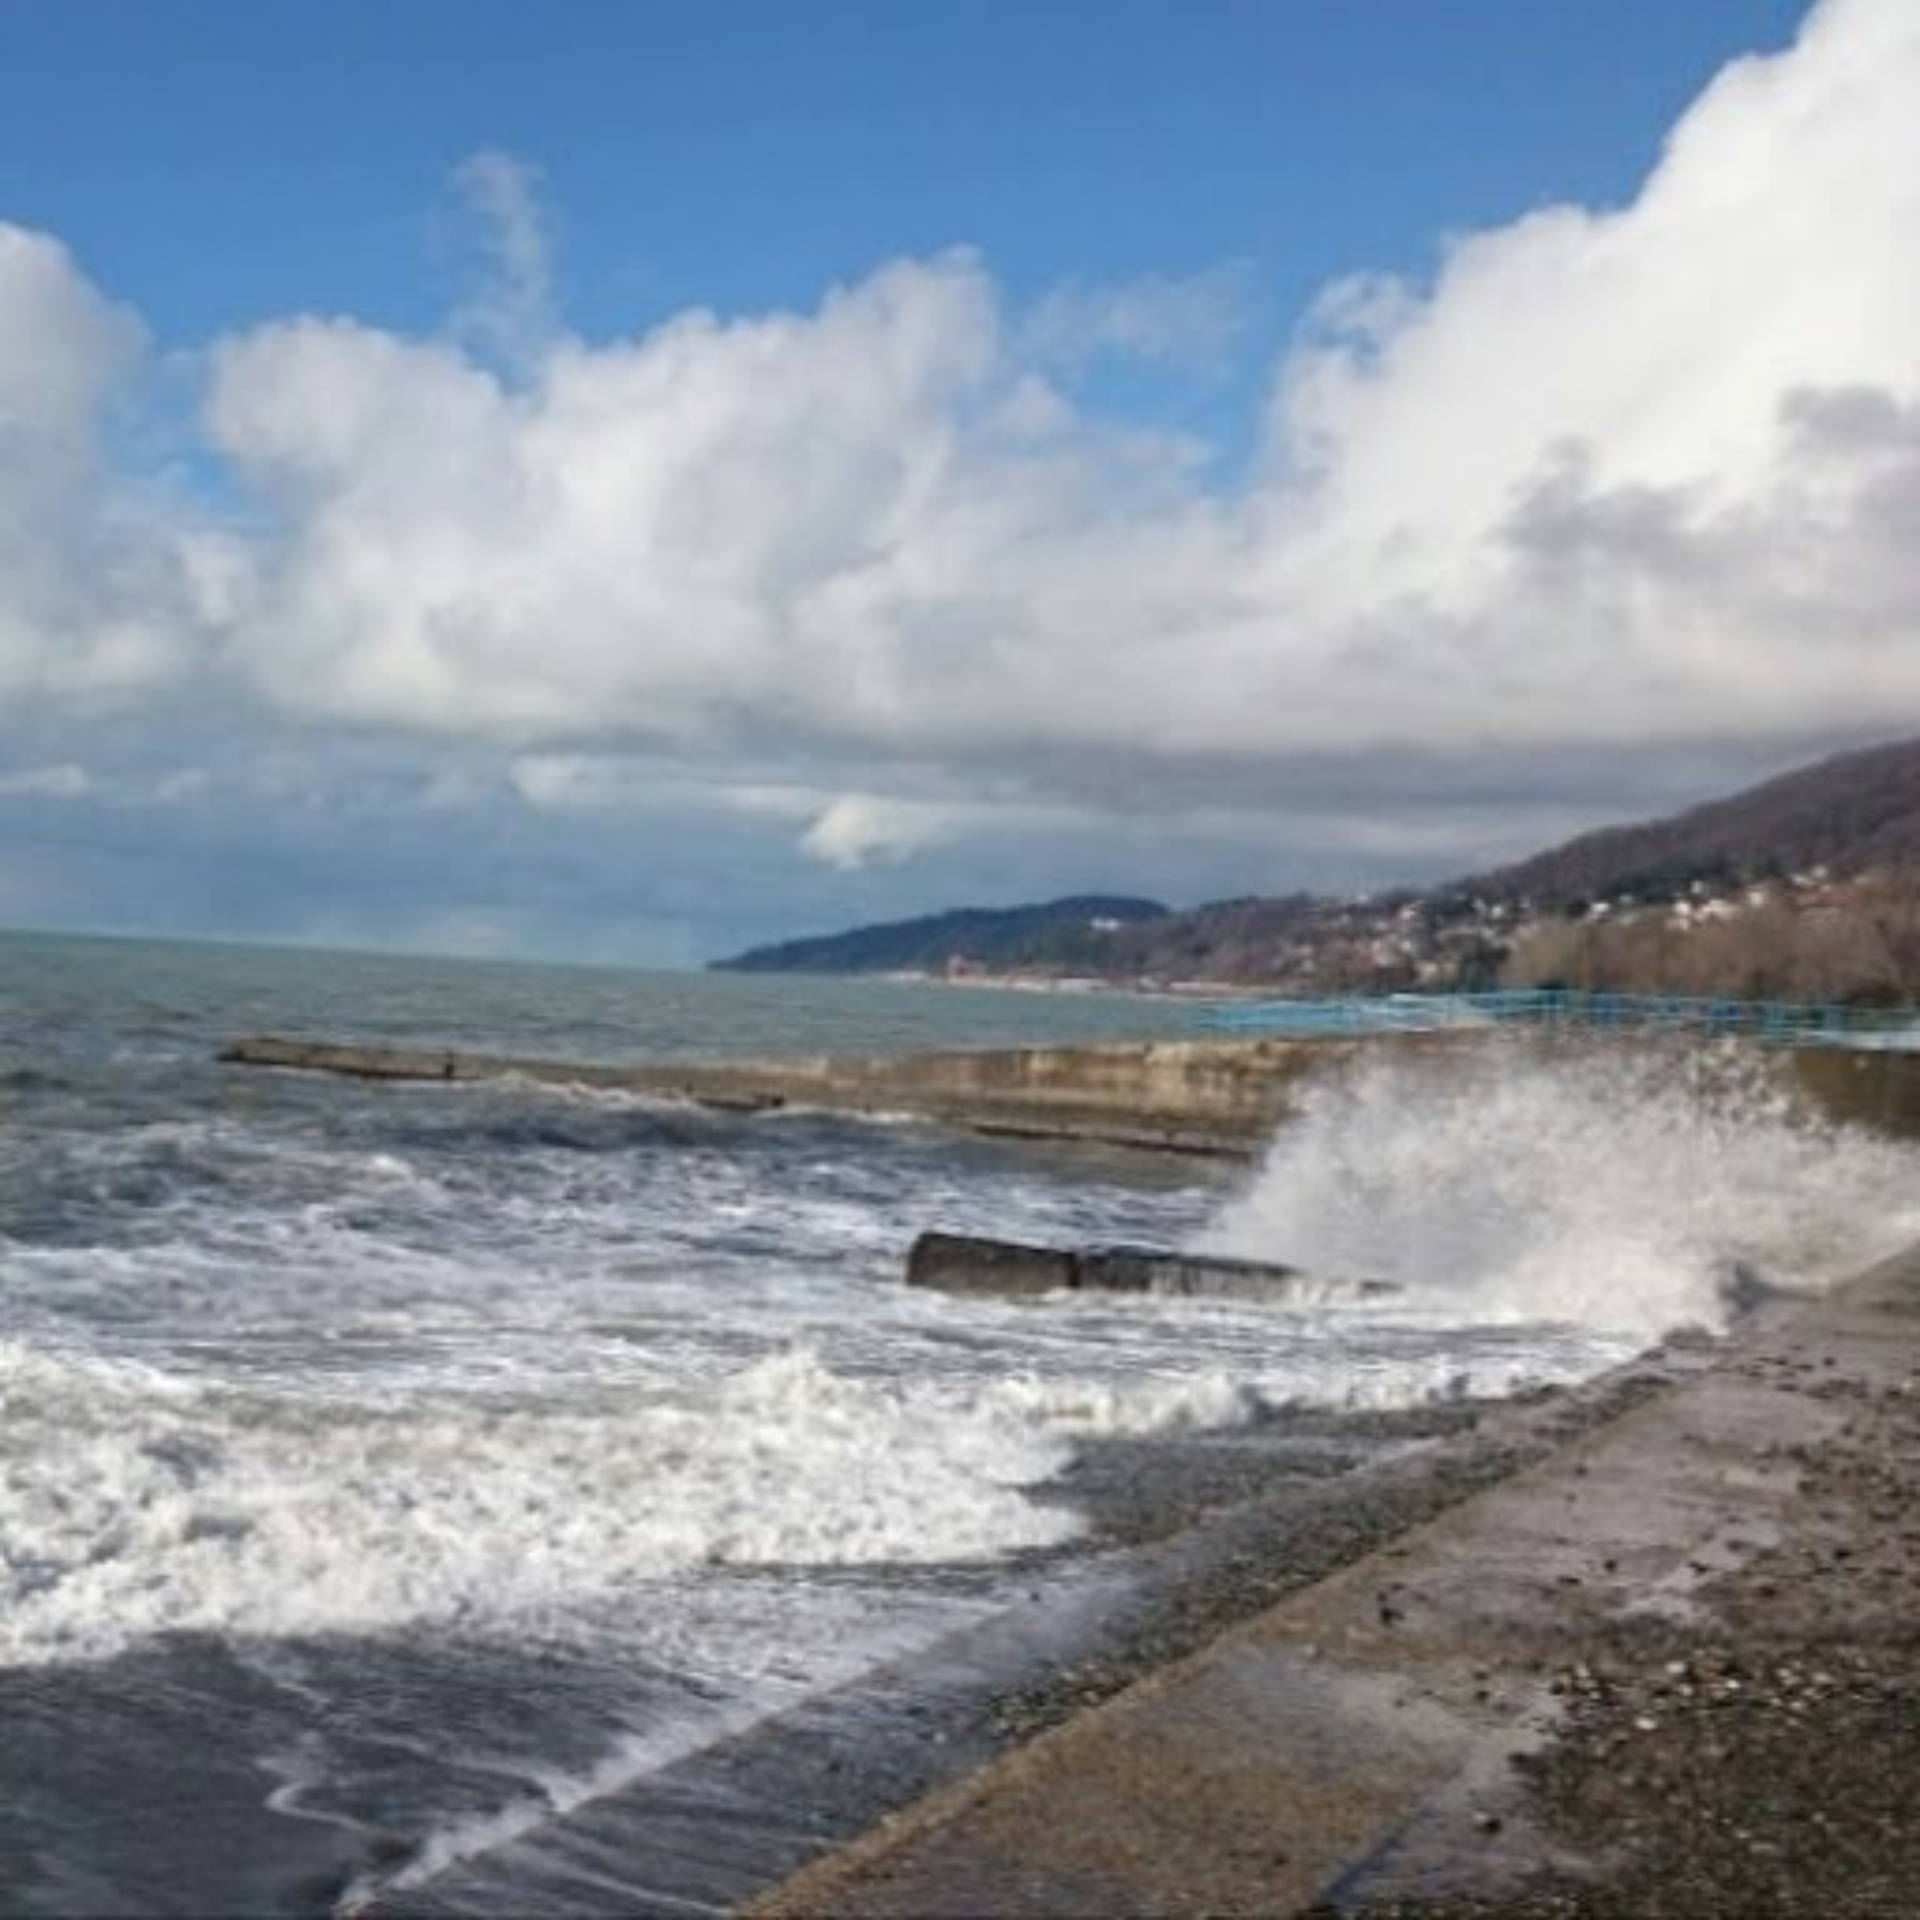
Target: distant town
column 1802, row 935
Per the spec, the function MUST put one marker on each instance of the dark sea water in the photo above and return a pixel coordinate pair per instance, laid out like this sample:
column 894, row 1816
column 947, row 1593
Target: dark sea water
column 389, row 1474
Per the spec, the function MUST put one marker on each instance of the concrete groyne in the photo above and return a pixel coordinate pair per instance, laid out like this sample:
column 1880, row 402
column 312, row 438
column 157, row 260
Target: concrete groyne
column 1217, row 1096
column 1199, row 1096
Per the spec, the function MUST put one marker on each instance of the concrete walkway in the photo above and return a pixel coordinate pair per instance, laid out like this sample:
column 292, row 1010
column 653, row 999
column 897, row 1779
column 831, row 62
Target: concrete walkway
column 1673, row 1669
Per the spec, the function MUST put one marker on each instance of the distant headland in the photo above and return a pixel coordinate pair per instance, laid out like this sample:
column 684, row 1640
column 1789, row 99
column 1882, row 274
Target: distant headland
column 1806, row 887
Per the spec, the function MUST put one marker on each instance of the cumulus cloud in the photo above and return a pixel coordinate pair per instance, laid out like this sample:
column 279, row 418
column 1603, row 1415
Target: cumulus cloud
column 1567, row 486
column 1605, row 481
column 1610, row 474
column 859, row 828
column 98, row 596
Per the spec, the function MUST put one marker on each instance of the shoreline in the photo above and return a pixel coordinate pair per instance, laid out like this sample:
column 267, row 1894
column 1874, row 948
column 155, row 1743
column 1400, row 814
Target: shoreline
column 1190, row 1537
column 1666, row 1664
column 1590, row 1655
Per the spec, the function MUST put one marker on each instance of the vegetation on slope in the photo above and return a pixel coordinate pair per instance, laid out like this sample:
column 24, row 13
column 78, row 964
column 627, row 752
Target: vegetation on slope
column 1850, row 814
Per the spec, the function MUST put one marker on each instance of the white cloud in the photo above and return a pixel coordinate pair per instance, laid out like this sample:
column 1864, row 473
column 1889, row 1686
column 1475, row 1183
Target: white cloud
column 864, row 829
column 1563, row 495
column 95, row 604
column 1554, row 491
column 644, row 547
column 1189, row 321
column 844, row 830
column 510, row 318
column 1611, row 480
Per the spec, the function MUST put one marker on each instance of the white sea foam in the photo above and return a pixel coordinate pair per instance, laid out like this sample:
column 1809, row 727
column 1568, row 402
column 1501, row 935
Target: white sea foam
column 504, row 1395
column 130, row 1512
column 1619, row 1188
column 133, row 1504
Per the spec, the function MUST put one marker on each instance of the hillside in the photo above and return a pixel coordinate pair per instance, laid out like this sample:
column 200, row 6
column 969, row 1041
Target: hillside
column 1069, row 936
column 1751, row 893
column 1850, row 813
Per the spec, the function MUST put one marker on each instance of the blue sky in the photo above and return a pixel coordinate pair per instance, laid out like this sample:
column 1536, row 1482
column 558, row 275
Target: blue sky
column 222, row 162
column 626, row 479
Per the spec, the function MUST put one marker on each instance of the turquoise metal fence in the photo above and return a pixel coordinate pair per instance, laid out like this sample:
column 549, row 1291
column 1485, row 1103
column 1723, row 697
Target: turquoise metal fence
column 1784, row 1023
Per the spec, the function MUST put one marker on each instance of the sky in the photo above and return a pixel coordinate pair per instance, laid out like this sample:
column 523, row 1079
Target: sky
column 624, row 479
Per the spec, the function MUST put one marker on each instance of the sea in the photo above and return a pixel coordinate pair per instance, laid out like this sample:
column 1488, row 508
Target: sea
column 401, row 1484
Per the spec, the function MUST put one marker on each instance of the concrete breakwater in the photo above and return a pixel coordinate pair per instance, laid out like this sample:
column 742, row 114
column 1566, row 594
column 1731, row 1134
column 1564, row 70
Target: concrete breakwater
column 1200, row 1096
column 1217, row 1096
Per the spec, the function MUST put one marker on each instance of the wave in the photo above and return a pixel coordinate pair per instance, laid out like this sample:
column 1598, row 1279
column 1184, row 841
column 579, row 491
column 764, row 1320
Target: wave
column 135, row 1502
column 134, row 1506
column 1633, row 1188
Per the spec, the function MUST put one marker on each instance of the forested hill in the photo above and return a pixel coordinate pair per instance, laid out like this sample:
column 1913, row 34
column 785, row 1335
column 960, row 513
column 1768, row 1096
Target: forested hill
column 1853, row 813
column 1061, row 936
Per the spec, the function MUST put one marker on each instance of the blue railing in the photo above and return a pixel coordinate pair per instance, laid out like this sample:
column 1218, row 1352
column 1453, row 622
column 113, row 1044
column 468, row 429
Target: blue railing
column 1784, row 1023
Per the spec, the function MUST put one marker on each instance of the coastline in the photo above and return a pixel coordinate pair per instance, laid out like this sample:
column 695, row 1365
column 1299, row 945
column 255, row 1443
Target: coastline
column 1190, row 1537
column 1668, row 1665
column 1589, row 1654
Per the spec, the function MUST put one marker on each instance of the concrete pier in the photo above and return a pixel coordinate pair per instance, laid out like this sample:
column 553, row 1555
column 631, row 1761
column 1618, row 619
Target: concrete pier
column 1221, row 1096
column 1200, row 1096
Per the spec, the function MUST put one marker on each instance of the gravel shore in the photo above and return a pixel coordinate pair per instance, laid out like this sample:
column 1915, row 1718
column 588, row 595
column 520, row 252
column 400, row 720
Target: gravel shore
column 1763, row 1756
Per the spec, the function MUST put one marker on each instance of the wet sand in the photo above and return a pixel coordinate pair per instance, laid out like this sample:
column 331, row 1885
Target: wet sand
column 1651, row 1649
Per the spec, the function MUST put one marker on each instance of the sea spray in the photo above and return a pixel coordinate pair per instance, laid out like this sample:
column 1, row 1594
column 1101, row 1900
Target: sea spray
column 1632, row 1186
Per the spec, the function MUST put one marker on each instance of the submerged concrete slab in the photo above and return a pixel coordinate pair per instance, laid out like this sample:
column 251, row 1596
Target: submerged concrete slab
column 971, row 1263
column 1579, row 1691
